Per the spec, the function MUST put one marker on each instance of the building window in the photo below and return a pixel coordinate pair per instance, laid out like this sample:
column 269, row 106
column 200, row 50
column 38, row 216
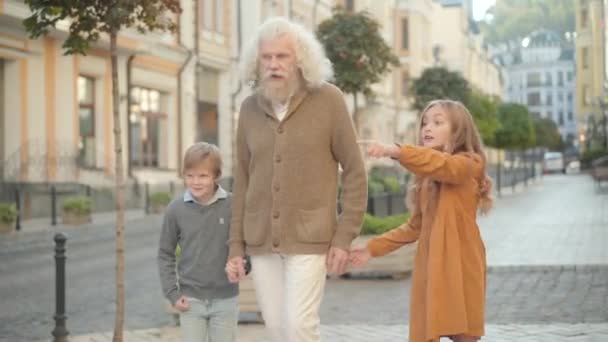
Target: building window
column 570, row 76
column 349, row 5
column 560, row 78
column 405, row 39
column 148, row 124
column 549, row 99
column 586, row 99
column 86, row 115
column 584, row 17
column 570, row 116
column 585, row 57
column 548, row 79
column 534, row 99
column 213, row 15
column 560, row 97
column 534, row 79
column 569, row 97
column 406, row 83
column 535, row 114
column 561, row 118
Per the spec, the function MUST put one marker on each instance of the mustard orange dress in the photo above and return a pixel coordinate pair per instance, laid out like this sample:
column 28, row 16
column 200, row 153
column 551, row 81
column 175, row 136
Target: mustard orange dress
column 449, row 276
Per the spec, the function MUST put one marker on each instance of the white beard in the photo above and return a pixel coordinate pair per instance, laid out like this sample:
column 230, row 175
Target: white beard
column 279, row 92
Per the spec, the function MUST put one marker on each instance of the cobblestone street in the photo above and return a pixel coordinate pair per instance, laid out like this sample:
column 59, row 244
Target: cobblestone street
column 548, row 278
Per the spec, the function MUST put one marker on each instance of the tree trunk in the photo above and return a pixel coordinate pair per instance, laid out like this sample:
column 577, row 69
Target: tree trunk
column 356, row 113
column 120, row 215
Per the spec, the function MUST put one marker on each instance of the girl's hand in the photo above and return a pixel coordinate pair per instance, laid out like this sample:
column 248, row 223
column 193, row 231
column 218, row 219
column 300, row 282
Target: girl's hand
column 359, row 256
column 377, row 150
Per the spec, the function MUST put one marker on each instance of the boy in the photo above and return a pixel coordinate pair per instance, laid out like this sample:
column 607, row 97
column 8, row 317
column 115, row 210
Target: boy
column 199, row 223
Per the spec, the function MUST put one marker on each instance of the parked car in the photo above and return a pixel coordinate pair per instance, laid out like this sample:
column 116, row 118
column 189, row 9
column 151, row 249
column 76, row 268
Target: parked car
column 554, row 162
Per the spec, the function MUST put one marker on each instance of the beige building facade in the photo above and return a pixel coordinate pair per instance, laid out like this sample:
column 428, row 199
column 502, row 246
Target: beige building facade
column 57, row 110
column 176, row 89
column 590, row 70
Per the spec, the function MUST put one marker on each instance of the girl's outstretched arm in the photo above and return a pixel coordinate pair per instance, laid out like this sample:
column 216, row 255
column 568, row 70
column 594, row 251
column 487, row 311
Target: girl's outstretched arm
column 439, row 166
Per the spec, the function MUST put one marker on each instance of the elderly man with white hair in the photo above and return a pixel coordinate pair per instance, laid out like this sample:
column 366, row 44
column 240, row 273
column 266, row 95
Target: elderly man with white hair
column 294, row 132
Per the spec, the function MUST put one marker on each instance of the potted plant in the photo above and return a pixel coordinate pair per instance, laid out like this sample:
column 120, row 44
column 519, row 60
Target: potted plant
column 397, row 263
column 76, row 210
column 8, row 215
column 159, row 201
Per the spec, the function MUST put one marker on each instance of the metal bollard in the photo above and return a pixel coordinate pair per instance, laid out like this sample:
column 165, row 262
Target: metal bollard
column 18, row 207
column 60, row 333
column 53, row 206
column 147, row 198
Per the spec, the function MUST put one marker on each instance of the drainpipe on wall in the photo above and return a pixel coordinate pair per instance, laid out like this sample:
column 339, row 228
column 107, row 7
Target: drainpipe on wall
column 129, row 144
column 235, row 93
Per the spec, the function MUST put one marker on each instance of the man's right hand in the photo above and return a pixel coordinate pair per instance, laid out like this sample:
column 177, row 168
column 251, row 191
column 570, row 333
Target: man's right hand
column 235, row 269
column 182, row 304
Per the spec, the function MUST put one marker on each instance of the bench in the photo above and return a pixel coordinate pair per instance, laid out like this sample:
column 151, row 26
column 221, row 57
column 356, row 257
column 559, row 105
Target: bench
column 599, row 170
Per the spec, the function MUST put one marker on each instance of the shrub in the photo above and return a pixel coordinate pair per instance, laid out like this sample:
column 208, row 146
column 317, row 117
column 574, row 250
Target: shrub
column 8, row 213
column 391, row 184
column 375, row 187
column 591, row 155
column 160, row 198
column 379, row 225
column 79, row 205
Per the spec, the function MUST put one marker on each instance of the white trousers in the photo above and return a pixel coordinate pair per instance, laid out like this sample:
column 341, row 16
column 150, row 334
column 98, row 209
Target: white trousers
column 289, row 289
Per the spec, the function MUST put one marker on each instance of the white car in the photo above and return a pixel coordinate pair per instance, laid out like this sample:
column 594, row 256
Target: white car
column 554, row 162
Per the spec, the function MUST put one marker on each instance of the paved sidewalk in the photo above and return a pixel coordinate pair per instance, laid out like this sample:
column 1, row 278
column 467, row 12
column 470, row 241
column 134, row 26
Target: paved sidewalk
column 388, row 333
column 101, row 218
column 561, row 220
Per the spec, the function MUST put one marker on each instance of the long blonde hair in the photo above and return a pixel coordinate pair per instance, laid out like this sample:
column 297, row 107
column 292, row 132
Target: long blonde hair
column 464, row 138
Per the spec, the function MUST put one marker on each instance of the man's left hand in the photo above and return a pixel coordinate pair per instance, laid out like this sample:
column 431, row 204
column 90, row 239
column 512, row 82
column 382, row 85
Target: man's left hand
column 337, row 260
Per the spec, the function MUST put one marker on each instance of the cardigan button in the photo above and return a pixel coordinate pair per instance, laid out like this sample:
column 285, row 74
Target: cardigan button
column 280, row 130
column 275, row 215
column 277, row 159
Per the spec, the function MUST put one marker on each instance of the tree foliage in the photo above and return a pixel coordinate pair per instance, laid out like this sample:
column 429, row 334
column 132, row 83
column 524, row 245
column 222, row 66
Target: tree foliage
column 89, row 21
column 547, row 134
column 516, row 127
column 483, row 109
column 439, row 83
column 511, row 20
column 358, row 52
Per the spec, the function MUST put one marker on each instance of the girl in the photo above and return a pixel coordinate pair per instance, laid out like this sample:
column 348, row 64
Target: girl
column 451, row 185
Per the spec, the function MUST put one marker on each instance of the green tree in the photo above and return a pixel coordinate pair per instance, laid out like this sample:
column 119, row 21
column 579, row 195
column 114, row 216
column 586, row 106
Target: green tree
column 483, row 108
column 358, row 52
column 510, row 20
column 439, row 83
column 516, row 127
column 547, row 134
column 89, row 22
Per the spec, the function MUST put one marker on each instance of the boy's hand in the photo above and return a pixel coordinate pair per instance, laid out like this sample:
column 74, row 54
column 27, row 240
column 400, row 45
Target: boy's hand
column 235, row 269
column 359, row 256
column 182, row 304
column 377, row 150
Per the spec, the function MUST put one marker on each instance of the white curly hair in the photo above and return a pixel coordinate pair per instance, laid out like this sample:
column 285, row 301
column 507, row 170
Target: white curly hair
column 310, row 54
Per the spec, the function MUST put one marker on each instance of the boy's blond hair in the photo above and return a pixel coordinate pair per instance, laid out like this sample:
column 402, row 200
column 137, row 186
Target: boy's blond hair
column 203, row 152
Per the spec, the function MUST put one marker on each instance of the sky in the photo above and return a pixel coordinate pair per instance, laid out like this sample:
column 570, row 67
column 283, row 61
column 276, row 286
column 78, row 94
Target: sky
column 480, row 7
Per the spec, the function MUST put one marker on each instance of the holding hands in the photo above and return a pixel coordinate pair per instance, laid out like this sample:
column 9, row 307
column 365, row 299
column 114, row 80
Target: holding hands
column 359, row 256
column 235, row 269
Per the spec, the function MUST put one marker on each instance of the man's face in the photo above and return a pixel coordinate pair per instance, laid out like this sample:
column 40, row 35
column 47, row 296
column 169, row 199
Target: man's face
column 277, row 67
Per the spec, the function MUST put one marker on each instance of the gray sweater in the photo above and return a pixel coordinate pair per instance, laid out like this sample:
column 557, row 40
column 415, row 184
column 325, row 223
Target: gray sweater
column 202, row 233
